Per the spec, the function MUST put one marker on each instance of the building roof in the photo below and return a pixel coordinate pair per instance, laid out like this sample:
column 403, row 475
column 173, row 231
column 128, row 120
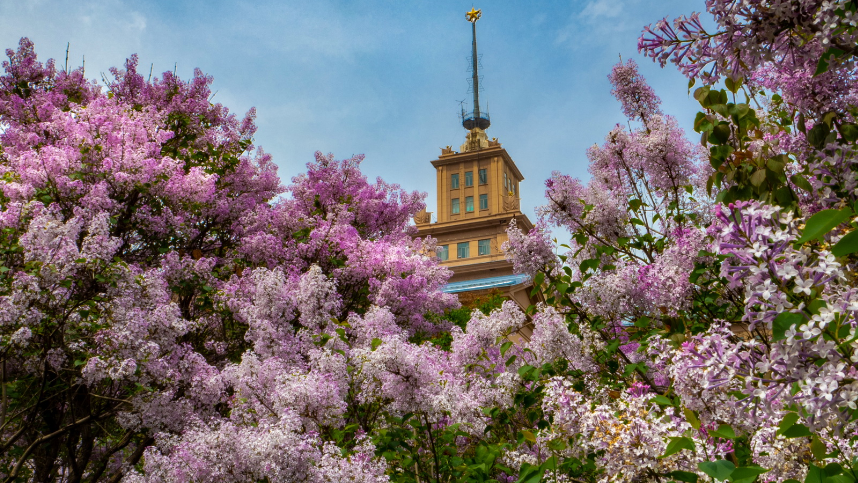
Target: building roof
column 485, row 283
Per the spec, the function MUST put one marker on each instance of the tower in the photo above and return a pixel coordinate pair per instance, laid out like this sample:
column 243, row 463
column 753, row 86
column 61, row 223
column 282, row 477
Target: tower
column 478, row 196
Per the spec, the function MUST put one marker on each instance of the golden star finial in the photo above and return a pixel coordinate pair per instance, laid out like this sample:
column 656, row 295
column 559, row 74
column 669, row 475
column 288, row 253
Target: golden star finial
column 474, row 15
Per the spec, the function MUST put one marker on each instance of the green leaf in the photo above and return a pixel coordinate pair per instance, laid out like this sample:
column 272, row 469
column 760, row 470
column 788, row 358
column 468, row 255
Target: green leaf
column 375, row 343
column 827, row 57
column 634, row 204
column 724, row 431
column 747, row 472
column 758, row 177
column 590, row 263
column 849, row 131
column 739, row 110
column 832, row 469
column 783, row 322
column 818, row 448
column 801, row 182
column 691, row 418
column 529, row 474
column 505, row 347
column 848, row 244
column 678, row 444
column 685, row 476
column 719, row 154
column 814, row 474
column 702, row 123
column 720, row 109
column 557, row 445
column 821, row 223
column 538, row 279
column 720, row 470
column 797, row 431
column 524, row 370
column 720, row 133
column 816, row 136
column 661, row 400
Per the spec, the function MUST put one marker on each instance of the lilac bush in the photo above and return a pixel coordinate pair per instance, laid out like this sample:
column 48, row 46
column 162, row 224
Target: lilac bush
column 172, row 312
column 719, row 279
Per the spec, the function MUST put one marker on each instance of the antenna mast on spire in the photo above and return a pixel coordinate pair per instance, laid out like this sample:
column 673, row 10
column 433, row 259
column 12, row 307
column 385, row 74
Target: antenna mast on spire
column 475, row 119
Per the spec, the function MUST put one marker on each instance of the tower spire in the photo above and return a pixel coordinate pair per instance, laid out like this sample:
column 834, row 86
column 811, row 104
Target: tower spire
column 475, row 119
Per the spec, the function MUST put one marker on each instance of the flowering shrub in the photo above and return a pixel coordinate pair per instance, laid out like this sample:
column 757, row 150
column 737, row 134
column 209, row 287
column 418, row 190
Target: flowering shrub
column 711, row 286
column 165, row 316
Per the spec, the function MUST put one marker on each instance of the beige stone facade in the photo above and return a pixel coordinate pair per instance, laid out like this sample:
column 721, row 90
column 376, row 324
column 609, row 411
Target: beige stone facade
column 478, row 195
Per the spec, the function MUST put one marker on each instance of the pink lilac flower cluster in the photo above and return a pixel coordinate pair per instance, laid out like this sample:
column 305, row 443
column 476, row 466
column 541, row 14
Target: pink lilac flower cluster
column 749, row 34
column 778, row 279
column 530, row 252
column 636, row 96
column 654, row 165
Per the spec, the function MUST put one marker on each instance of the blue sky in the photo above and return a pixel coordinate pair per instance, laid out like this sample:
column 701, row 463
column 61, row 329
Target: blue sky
column 381, row 77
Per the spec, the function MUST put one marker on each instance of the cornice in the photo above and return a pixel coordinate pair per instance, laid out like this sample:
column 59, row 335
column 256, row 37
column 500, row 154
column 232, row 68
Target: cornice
column 469, row 224
column 479, row 154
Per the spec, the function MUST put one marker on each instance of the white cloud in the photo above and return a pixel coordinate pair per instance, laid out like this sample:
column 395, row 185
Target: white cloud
column 597, row 21
column 602, row 8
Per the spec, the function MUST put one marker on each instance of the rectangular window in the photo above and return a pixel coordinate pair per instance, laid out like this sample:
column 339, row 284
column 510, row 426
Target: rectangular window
column 484, row 247
column 484, row 202
column 454, row 181
column 469, row 179
column 455, row 206
column 484, row 176
column 444, row 252
column 463, row 250
column 505, row 183
column 469, row 204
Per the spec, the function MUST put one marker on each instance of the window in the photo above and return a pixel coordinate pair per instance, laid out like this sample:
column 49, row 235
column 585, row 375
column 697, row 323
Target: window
column 484, row 247
column 469, row 178
column 444, row 252
column 454, row 181
column 505, row 182
column 469, row 204
column 484, row 176
column 463, row 250
column 455, row 206
column 484, row 202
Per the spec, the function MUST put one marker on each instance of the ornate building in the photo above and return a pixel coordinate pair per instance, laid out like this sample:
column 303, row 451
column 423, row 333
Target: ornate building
column 478, row 196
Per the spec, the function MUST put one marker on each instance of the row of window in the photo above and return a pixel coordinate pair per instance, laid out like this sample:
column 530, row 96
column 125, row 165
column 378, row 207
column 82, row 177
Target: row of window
column 469, row 178
column 463, row 250
column 469, row 204
column 509, row 184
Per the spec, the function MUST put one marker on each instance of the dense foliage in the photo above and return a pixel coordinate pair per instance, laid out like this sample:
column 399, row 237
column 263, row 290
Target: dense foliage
column 171, row 312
